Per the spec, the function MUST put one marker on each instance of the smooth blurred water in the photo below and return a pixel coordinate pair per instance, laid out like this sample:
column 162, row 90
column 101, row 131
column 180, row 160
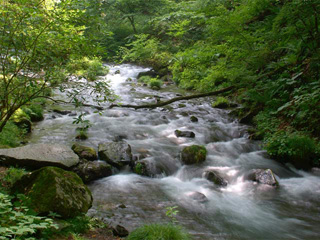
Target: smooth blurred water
column 242, row 210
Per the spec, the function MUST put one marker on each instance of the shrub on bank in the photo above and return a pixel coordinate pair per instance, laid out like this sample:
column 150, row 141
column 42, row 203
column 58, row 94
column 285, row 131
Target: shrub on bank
column 159, row 231
column 300, row 150
column 155, row 83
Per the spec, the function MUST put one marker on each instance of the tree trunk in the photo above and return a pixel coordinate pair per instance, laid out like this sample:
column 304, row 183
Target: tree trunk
column 131, row 19
column 161, row 104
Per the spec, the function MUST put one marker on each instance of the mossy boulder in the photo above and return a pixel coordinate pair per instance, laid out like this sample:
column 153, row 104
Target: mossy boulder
column 89, row 171
column 84, row 152
column 52, row 189
column 193, row 154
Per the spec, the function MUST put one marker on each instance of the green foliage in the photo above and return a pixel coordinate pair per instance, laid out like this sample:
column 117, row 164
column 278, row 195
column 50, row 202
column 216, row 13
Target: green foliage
column 37, row 39
column 87, row 68
column 155, row 83
column 159, row 231
column 34, row 112
column 17, row 222
column 298, row 149
column 171, row 213
column 146, row 50
column 268, row 50
column 139, row 168
column 144, row 79
column 221, row 102
column 14, row 174
column 79, row 224
column 11, row 135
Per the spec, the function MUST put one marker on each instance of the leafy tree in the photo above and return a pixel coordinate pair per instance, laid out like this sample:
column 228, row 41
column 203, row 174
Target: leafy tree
column 131, row 9
column 37, row 39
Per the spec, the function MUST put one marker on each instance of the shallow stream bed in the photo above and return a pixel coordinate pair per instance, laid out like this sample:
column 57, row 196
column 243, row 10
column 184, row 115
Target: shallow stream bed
column 241, row 210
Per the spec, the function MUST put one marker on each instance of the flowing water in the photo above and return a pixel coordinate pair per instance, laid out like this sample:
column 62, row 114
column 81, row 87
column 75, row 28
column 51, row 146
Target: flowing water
column 242, row 210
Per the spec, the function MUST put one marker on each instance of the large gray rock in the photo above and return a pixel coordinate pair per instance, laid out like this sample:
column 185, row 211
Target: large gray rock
column 89, row 171
column 263, row 176
column 39, row 155
column 117, row 154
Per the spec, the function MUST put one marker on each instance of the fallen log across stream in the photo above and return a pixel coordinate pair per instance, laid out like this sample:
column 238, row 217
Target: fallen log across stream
column 164, row 103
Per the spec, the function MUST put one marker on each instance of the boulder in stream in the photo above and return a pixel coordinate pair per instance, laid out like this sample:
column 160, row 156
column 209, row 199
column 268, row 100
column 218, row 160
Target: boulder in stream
column 62, row 112
column 117, row 154
column 39, row 155
column 89, row 171
column 194, row 119
column 263, row 176
column 214, row 177
column 197, row 196
column 187, row 134
column 193, row 154
column 84, row 152
column 141, row 168
column 52, row 189
column 150, row 73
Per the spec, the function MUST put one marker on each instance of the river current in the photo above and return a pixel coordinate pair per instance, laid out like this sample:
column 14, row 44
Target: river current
column 241, row 210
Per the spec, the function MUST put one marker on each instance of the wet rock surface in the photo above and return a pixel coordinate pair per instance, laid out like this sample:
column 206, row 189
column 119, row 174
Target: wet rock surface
column 85, row 152
column 186, row 134
column 39, row 155
column 193, row 154
column 214, row 177
column 117, row 154
column 89, row 171
column 197, row 196
column 263, row 176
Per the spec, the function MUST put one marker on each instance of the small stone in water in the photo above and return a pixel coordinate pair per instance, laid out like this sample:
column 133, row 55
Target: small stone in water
column 120, row 231
column 194, row 119
column 186, row 134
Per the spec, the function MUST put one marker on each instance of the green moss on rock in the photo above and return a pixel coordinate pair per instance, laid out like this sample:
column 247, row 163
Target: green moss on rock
column 84, row 152
column 193, row 154
column 51, row 189
column 141, row 169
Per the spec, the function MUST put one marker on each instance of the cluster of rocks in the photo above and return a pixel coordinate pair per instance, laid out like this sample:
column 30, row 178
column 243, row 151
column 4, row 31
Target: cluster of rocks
column 57, row 184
